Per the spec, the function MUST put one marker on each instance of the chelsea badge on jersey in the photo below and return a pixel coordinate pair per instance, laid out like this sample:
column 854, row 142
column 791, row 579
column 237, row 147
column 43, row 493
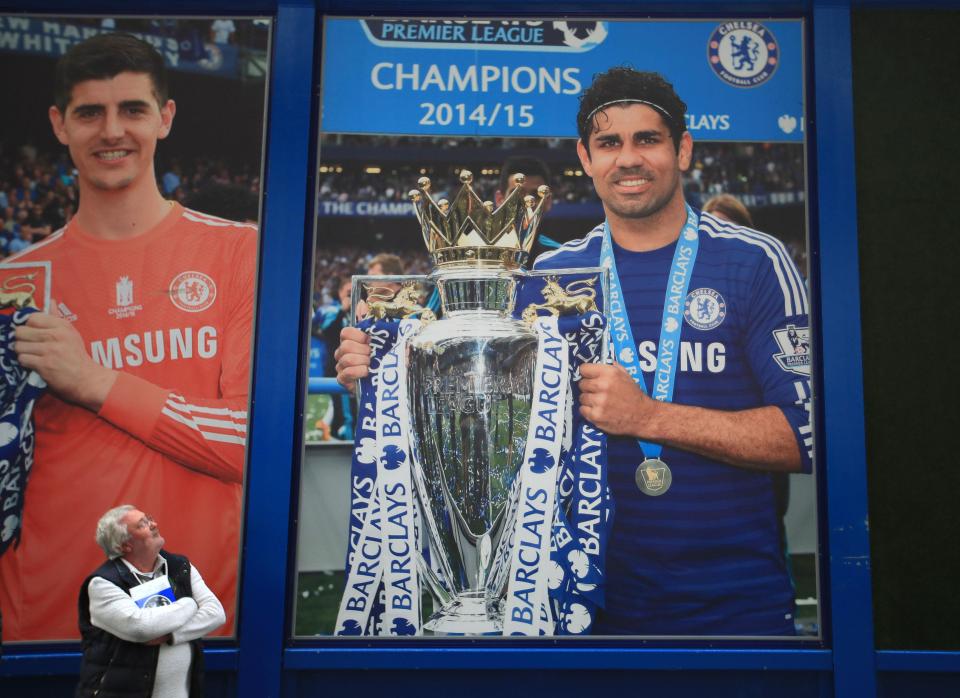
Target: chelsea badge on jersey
column 704, row 309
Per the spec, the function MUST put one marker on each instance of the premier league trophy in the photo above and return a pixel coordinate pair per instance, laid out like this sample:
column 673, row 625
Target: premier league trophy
column 470, row 412
column 470, row 383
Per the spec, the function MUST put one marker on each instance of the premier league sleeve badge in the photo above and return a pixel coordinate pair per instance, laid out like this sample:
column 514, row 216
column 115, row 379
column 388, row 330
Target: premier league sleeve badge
column 794, row 343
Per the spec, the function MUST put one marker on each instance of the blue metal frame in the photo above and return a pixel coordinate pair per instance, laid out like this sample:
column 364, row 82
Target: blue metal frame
column 264, row 661
column 276, row 439
column 841, row 371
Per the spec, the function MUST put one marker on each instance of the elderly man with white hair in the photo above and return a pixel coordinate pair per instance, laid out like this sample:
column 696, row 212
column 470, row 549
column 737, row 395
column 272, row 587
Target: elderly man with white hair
column 152, row 648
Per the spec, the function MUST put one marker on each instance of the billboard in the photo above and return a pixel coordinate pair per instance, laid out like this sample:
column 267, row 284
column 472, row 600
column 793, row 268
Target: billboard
column 730, row 550
column 146, row 228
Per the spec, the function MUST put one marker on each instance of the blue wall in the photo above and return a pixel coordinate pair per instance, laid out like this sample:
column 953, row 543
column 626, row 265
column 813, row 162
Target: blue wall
column 262, row 662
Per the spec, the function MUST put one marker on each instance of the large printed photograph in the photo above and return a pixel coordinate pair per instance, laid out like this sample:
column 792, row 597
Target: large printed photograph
column 130, row 182
column 706, row 525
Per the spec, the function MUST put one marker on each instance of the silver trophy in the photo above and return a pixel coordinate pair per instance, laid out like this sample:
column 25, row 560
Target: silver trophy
column 470, row 378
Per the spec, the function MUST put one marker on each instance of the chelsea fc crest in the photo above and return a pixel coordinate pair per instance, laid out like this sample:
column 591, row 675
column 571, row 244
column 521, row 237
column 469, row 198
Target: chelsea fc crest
column 704, row 309
column 193, row 291
column 743, row 53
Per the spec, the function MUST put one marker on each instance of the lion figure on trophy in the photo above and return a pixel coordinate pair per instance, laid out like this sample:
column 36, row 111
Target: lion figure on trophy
column 383, row 303
column 577, row 297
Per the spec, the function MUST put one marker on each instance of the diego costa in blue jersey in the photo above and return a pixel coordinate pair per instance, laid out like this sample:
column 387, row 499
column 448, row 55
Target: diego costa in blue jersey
column 717, row 321
column 706, row 558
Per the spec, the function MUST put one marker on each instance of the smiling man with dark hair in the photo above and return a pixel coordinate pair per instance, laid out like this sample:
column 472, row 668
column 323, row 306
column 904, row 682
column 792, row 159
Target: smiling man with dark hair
column 700, row 409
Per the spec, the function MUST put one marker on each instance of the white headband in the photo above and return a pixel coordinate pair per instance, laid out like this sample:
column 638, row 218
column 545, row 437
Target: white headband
column 630, row 101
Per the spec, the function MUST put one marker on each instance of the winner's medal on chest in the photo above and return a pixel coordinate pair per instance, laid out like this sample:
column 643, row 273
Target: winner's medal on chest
column 653, row 476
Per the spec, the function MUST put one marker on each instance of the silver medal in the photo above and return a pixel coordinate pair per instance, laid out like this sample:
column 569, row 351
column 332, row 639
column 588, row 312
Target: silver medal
column 653, row 477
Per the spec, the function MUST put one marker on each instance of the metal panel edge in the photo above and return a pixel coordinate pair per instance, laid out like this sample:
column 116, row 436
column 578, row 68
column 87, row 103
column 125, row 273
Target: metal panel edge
column 905, row 661
column 275, row 437
column 68, row 663
column 845, row 453
column 555, row 658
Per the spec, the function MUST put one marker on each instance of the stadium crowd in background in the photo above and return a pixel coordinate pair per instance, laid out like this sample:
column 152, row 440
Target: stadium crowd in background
column 332, row 264
column 744, row 169
column 38, row 191
column 190, row 33
column 37, row 196
column 185, row 180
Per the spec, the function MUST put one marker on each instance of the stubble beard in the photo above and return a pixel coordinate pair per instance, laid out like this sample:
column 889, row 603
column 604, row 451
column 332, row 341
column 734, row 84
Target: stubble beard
column 643, row 208
column 105, row 185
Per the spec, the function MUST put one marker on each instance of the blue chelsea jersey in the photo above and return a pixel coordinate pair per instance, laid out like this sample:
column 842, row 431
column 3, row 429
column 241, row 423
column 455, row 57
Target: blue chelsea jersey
column 707, row 557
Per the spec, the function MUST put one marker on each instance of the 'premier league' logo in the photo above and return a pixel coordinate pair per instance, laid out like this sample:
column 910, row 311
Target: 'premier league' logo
column 794, row 343
column 743, row 53
column 653, row 477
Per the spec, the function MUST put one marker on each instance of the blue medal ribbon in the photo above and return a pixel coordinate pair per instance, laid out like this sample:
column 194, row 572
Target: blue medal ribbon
column 668, row 347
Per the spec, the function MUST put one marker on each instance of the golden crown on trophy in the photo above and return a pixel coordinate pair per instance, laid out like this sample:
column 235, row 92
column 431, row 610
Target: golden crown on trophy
column 469, row 232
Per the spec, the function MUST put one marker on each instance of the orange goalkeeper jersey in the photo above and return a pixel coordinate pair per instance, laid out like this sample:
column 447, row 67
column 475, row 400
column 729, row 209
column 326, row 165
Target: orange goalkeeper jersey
column 171, row 310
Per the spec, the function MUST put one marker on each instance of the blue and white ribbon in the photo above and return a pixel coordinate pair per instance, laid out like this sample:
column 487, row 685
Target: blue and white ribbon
column 398, row 525
column 364, row 543
column 19, row 390
column 585, row 507
column 671, row 325
column 527, row 604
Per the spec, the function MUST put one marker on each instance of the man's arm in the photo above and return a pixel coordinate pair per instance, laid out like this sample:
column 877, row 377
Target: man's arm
column 759, row 438
column 209, row 615
column 112, row 610
column 768, row 437
column 202, row 433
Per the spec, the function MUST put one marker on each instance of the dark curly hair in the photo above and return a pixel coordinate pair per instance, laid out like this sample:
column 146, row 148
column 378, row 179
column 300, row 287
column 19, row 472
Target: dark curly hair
column 626, row 83
column 103, row 57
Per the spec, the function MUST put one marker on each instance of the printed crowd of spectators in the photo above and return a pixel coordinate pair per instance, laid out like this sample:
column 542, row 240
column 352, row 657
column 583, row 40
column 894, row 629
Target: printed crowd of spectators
column 428, row 143
column 354, row 183
column 335, row 265
column 192, row 183
column 39, row 195
column 744, row 169
column 189, row 33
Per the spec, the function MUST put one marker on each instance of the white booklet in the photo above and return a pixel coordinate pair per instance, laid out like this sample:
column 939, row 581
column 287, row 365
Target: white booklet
column 156, row 592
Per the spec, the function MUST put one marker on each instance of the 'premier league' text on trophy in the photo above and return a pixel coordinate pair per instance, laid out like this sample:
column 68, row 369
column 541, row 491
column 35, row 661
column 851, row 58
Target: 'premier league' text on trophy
column 469, row 465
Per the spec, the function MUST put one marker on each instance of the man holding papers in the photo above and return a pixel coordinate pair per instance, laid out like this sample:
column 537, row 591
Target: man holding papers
column 142, row 613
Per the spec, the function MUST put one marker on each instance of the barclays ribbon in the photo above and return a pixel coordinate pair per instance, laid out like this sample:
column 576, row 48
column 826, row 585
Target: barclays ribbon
column 363, row 577
column 668, row 347
column 581, row 531
column 585, row 508
column 19, row 389
column 398, row 558
column 382, row 591
column 527, row 605
column 364, row 543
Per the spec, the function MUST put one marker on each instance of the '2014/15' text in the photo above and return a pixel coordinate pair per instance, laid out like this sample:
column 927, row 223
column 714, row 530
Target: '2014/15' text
column 484, row 116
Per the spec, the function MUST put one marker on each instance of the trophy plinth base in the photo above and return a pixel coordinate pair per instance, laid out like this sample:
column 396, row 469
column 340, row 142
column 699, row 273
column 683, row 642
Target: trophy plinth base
column 465, row 615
